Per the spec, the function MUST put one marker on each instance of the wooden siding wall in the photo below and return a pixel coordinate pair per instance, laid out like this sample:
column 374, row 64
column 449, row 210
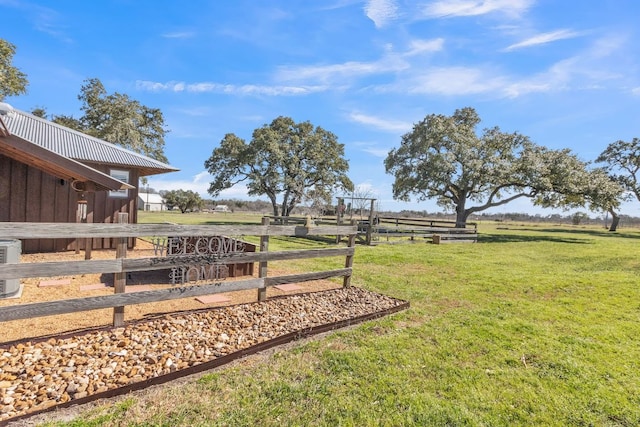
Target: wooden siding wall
column 29, row 195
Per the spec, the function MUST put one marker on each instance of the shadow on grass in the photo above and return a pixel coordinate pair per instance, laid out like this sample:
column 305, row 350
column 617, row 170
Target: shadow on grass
column 558, row 235
column 524, row 238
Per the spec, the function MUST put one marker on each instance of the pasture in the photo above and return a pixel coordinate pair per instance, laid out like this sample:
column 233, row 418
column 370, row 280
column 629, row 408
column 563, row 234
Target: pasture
column 533, row 325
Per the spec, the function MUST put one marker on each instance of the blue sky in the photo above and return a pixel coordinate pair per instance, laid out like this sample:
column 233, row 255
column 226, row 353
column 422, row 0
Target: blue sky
column 566, row 73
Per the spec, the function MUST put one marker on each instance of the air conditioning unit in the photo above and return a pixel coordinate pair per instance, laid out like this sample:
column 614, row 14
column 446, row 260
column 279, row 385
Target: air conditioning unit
column 9, row 254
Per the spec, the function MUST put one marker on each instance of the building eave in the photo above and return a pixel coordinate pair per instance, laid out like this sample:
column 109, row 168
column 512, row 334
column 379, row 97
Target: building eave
column 81, row 176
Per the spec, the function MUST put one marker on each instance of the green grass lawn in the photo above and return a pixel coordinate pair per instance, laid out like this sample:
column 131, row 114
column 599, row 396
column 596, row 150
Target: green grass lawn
column 533, row 325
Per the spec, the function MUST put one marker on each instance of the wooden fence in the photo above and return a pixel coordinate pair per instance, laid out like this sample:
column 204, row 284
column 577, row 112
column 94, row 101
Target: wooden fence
column 436, row 231
column 121, row 265
column 393, row 229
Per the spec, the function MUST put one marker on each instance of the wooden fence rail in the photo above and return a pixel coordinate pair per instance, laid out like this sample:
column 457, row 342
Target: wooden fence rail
column 438, row 231
column 122, row 265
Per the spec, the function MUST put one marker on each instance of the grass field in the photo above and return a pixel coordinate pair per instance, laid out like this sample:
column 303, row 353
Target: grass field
column 533, row 325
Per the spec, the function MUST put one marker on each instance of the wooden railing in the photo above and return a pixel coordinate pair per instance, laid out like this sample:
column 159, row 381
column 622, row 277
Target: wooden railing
column 437, row 231
column 122, row 265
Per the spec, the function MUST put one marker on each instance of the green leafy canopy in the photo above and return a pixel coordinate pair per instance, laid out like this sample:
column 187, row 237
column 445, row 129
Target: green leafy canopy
column 284, row 160
column 12, row 81
column 444, row 158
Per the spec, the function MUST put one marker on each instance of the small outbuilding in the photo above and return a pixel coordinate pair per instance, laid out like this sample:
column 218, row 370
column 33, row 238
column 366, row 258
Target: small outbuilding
column 50, row 173
column 151, row 202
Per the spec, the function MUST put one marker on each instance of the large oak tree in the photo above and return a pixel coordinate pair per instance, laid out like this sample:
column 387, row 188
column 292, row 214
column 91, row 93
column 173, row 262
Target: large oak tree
column 622, row 162
column 116, row 118
column 444, row 158
column 285, row 161
column 185, row 200
column 12, row 80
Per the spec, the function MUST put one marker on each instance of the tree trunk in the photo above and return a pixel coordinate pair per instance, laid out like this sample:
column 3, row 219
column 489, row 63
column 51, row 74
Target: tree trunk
column 615, row 220
column 461, row 214
column 274, row 204
column 283, row 209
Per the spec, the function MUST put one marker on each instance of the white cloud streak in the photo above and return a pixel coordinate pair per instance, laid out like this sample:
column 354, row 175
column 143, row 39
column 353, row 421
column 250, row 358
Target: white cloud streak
column 418, row 47
column 179, row 35
column 455, row 8
column 543, row 38
column 386, row 125
column 198, row 183
column 336, row 74
column 381, row 12
column 377, row 152
column 327, row 73
column 452, row 81
column 209, row 87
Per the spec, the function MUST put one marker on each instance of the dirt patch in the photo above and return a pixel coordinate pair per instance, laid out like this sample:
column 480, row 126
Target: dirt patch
column 87, row 285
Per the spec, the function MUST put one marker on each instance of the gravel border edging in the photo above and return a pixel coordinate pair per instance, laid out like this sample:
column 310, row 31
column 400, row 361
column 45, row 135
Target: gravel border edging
column 115, row 361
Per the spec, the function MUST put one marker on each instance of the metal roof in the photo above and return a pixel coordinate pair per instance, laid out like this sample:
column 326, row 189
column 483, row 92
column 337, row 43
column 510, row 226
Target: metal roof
column 81, row 176
column 77, row 145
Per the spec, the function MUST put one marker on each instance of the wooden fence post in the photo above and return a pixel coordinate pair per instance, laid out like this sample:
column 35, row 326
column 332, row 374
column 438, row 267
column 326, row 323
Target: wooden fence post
column 262, row 272
column 371, row 218
column 349, row 260
column 120, row 279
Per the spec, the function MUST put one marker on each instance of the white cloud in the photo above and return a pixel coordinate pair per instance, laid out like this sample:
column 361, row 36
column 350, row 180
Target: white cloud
column 179, row 35
column 377, row 152
column 365, row 189
column 371, row 148
column 421, row 46
column 210, row 87
column 326, row 73
column 380, row 123
column 453, row 8
column 636, row 91
column 456, row 81
column 544, row 38
column 198, row 183
column 381, row 11
column 44, row 19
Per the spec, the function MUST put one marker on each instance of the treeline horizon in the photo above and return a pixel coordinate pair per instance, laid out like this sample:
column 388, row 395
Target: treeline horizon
column 576, row 218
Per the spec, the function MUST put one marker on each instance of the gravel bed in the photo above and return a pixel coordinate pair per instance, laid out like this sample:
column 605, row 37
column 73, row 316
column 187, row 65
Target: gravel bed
column 39, row 375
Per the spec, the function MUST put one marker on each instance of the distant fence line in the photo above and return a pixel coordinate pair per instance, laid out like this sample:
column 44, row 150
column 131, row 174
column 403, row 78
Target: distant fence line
column 436, row 231
column 122, row 265
column 378, row 229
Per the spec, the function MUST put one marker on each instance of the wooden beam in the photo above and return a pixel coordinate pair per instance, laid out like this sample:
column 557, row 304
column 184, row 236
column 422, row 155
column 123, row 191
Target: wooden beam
column 48, row 230
column 51, row 308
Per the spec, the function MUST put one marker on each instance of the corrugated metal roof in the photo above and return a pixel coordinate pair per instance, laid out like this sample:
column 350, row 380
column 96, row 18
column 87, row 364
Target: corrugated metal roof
column 79, row 146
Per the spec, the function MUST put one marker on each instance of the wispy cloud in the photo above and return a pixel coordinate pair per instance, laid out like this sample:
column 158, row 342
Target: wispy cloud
column 44, row 19
column 455, row 81
column 179, row 35
column 336, row 74
column 371, row 148
column 365, row 189
column 381, row 11
column 377, row 152
column 453, row 8
column 209, row 87
column 380, row 123
column 582, row 71
column 636, row 91
column 418, row 47
column 544, row 38
column 329, row 73
column 198, row 183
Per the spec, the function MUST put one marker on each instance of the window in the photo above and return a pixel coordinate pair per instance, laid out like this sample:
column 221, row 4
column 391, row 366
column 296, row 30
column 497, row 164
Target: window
column 122, row 176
